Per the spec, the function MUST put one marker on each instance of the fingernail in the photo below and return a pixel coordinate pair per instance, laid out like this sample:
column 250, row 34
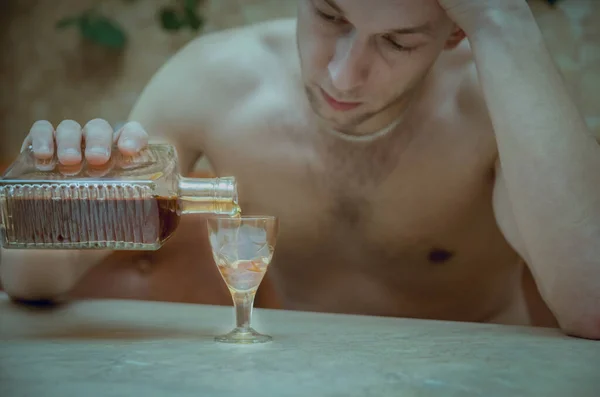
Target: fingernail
column 129, row 144
column 98, row 151
column 69, row 152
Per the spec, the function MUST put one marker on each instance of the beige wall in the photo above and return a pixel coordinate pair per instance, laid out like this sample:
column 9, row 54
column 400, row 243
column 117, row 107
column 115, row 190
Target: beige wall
column 46, row 74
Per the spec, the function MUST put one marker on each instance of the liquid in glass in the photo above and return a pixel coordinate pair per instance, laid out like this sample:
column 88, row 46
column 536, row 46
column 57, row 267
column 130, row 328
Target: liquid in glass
column 242, row 249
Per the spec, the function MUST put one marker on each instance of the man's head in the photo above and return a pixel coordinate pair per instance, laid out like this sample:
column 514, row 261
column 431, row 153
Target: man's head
column 361, row 59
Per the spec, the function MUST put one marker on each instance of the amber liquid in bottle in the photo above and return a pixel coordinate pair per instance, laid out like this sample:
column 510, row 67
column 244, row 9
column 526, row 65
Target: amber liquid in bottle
column 134, row 223
column 100, row 222
column 137, row 205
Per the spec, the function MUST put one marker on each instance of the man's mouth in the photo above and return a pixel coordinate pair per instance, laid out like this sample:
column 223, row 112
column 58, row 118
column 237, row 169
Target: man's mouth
column 337, row 105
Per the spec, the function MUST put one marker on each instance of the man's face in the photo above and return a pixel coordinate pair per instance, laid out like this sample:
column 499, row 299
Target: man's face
column 361, row 59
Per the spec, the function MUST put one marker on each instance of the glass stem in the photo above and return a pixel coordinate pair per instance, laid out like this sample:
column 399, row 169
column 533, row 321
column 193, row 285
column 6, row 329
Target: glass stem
column 243, row 303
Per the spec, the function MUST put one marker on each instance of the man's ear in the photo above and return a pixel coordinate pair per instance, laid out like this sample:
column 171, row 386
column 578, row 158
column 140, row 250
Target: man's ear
column 457, row 36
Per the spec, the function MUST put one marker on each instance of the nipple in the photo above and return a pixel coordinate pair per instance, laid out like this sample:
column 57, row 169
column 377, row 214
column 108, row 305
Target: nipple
column 440, row 256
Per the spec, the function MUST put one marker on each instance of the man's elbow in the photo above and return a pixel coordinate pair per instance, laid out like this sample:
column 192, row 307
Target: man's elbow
column 573, row 295
column 585, row 331
column 22, row 286
column 28, row 278
column 581, row 323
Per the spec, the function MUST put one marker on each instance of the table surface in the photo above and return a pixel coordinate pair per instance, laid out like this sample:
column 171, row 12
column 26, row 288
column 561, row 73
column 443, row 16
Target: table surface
column 134, row 348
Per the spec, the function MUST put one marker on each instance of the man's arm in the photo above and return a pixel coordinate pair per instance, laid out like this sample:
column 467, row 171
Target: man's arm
column 163, row 110
column 548, row 181
column 185, row 101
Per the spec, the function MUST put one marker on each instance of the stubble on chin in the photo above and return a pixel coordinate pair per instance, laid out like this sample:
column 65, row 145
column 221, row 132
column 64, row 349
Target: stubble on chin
column 347, row 126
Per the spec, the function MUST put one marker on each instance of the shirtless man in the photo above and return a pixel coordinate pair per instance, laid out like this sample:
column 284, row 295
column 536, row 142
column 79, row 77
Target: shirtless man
column 404, row 188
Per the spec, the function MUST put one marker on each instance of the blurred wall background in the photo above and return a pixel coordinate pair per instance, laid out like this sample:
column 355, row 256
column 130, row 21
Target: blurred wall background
column 52, row 74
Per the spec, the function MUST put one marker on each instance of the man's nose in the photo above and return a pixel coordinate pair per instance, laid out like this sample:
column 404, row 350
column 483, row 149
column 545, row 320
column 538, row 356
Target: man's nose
column 349, row 67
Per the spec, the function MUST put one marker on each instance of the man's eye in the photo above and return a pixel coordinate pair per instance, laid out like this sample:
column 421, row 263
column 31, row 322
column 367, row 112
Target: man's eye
column 395, row 45
column 330, row 18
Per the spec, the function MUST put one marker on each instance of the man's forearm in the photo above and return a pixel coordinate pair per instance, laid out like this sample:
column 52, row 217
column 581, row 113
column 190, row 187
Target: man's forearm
column 31, row 275
column 550, row 160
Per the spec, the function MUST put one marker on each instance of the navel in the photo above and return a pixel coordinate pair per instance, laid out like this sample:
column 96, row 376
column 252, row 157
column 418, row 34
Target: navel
column 438, row 255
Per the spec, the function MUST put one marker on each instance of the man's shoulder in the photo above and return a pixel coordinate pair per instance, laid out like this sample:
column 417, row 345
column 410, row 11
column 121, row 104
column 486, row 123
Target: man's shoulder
column 215, row 73
column 245, row 49
column 229, row 65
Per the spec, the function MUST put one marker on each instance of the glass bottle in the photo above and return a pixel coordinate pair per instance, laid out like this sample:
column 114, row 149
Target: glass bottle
column 131, row 203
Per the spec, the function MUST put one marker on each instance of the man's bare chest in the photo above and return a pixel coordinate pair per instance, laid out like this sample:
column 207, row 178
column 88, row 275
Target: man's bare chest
column 378, row 201
column 410, row 219
column 391, row 217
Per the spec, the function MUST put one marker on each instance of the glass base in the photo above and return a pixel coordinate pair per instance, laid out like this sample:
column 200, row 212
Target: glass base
column 243, row 336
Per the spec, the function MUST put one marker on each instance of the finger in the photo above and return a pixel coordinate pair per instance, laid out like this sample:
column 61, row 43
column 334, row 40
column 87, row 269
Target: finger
column 98, row 141
column 68, row 142
column 132, row 138
column 41, row 139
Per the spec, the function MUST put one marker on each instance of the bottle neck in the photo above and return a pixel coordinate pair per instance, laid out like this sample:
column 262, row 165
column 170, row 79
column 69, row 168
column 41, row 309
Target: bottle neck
column 209, row 196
